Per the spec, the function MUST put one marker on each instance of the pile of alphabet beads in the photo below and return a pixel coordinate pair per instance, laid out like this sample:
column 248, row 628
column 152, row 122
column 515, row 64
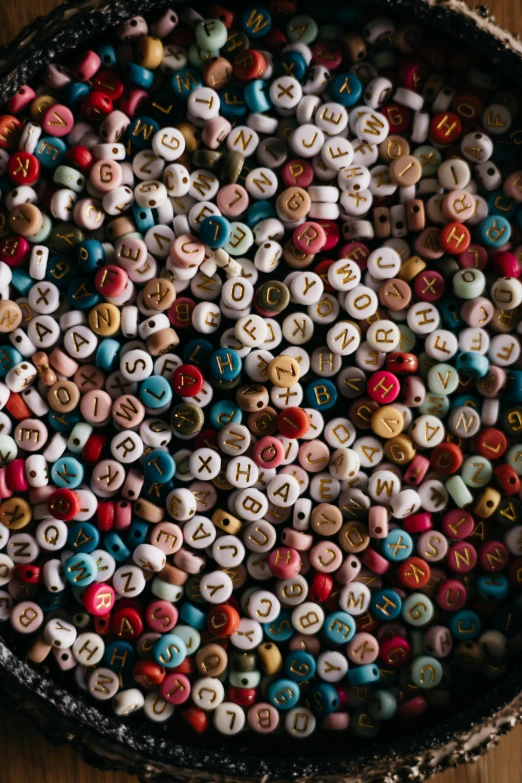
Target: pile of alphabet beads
column 261, row 385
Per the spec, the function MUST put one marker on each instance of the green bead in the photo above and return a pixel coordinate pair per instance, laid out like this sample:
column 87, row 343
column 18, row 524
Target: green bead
column 69, row 178
column 187, row 419
column 514, row 457
column 447, row 266
column 363, row 725
column 65, row 236
column 237, row 42
column 443, row 379
column 242, row 662
column 199, row 57
column 43, row 234
column 211, row 160
column 166, row 591
column 458, row 491
column 435, row 405
column 302, row 29
column 232, row 166
column 241, row 239
column 425, row 364
column 417, row 610
column 358, row 695
column 429, row 158
column 273, row 296
column 382, row 705
column 244, row 679
column 407, row 340
column 511, row 418
column 476, row 472
column 509, row 512
column 426, row 672
column 211, row 34
column 469, row 283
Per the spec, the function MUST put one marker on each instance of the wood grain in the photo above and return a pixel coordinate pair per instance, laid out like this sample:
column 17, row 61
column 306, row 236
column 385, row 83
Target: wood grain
column 25, row 757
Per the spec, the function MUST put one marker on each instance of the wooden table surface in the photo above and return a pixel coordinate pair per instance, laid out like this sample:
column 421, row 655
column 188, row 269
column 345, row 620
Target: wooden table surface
column 25, row 757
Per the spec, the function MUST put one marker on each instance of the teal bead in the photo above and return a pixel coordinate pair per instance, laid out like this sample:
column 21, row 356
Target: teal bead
column 417, row 610
column 258, row 211
column 280, row 629
column 21, row 281
column 465, row 625
column 244, row 679
column 199, row 57
column 385, row 605
column 289, row 64
column 494, row 231
column 155, row 392
column 225, row 364
column 321, row 394
column 81, row 294
column 193, row 615
column 63, row 422
column 430, row 159
column 137, row 533
column 364, row 675
column 159, row 466
column 191, row 637
column 107, row 353
column 61, row 270
column 256, row 95
column 283, row 694
column 435, row 405
column 346, row 89
column 469, row 283
column 120, row 656
column 382, row 705
column 425, row 364
column 211, row 34
column 396, row 547
column 156, row 492
column 233, row 104
column 299, row 666
column 256, row 22
column 169, row 651
column 50, row 151
column 115, row 546
column 9, row 356
column 339, row 627
column 67, row 472
column 476, row 471
column 141, row 132
column 215, row 231
column 186, row 81
column 458, row 491
column 143, row 218
column 107, row 55
column 80, row 569
column 493, row 587
column 83, row 537
column 137, row 75
column 449, row 309
column 466, row 400
column 241, row 237
column 198, row 351
column 72, row 93
column 500, row 204
column 513, row 455
column 49, row 602
column 358, row 695
column 426, row 672
column 90, row 255
column 513, row 387
column 323, row 698
column 443, row 379
column 362, row 725
column 473, row 364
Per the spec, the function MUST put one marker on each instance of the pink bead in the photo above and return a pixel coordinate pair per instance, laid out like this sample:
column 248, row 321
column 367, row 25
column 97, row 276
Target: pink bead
column 417, row 523
column 98, row 599
column 296, row 539
column 326, row 557
column 268, row 452
column 451, row 595
column 41, row 494
column 383, row 387
column 88, row 214
column 122, row 515
column 389, row 630
column 505, row 264
column 432, row 546
column 493, row 556
column 187, row 251
column 188, row 561
column 413, row 391
column 130, row 253
column 263, row 718
column 301, row 642
column 56, row 76
column 26, row 617
column 107, row 469
column 416, row 470
column 14, row 250
column 62, row 363
column 232, row 200
column 65, row 659
column 378, row 522
column 492, row 383
column 477, row 312
column 58, row 120
column 309, row 237
column 89, row 378
column 205, row 494
column 175, row 688
column 95, row 407
column 214, row 133
column 167, row 537
column 458, row 205
column 131, row 102
column 458, row 524
column 164, row 23
column 438, row 641
column 395, row 651
column 161, row 616
column 276, row 515
column 374, row 561
column 412, row 708
column 86, row 66
column 363, row 648
column 299, row 473
column 513, row 186
column 475, row 257
column 284, row 562
column 15, row 475
column 314, row 456
column 132, row 28
column 114, row 126
column 357, row 252
column 106, row 175
column 127, row 411
column 5, row 491
column 427, row 244
column 462, row 557
column 133, row 485
column 336, row 721
column 22, row 98
column 349, row 570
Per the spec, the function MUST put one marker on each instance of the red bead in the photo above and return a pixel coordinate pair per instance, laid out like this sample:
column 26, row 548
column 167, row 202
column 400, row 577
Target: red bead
column 284, row 562
column 446, row 458
column 111, row 280
column 357, row 252
column 224, row 15
column 451, row 595
column 99, row 599
column 321, row 587
column 249, row 65
column 275, row 40
column 507, row 477
column 182, row 36
column 400, row 362
column 196, row 718
column 180, row 313
column 395, row 651
column 493, row 556
column 105, row 515
column 109, row 83
column 445, row 128
column 223, row 620
column 95, row 106
column 64, row 504
column 185, row 667
column 132, row 101
column 297, row 172
column 102, row 625
column 187, row 380
column 414, row 573
column 85, row 66
column 454, row 238
column 268, row 452
column 15, row 475
column 92, row 450
column 458, row 524
column 207, row 439
column 505, row 264
column 374, row 561
column 411, row 709
column 30, row 574
column 475, row 257
column 148, row 673
column 467, row 106
column 17, row 407
column 491, row 443
column 327, row 54
column 461, row 557
column 417, row 523
column 126, row 623
column 23, row 168
column 413, row 74
column 14, row 250
column 398, row 117
column 293, row 422
column 515, row 571
column 10, row 129
column 80, row 158
column 242, row 696
column 322, row 270
column 429, row 286
column 22, row 98
column 383, row 387
column 332, row 232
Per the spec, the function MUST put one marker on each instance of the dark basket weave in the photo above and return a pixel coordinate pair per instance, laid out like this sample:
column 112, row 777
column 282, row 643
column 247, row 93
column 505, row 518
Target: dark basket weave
column 161, row 752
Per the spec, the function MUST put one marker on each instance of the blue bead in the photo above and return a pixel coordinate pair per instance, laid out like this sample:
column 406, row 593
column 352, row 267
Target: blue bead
column 464, row 624
column 155, row 492
column 289, row 64
column 137, row 533
column 507, row 620
column 323, row 698
column 155, row 392
column 80, row 569
column 83, row 537
column 339, row 627
column 214, row 231
column 107, row 353
column 49, row 602
column 193, row 615
column 90, row 255
column 6, row 186
column 494, row 230
column 473, row 364
column 141, row 132
column 258, row 211
column 142, row 217
column 283, row 694
column 348, row 14
column 280, row 629
column 256, row 96
column 493, row 587
column 198, row 351
column 107, row 55
column 233, row 104
column 449, row 309
column 137, row 75
column 470, row 400
column 119, row 656
column 509, row 150
column 513, row 387
column 72, row 93
column 256, row 22
column 61, row 270
column 346, row 89
column 67, row 472
column 9, row 356
column 63, row 422
column 364, row 675
column 159, row 466
column 500, row 204
column 21, row 280
column 385, row 605
column 81, row 294
column 114, row 545
column 169, row 651
column 163, row 107
column 299, row 666
column 186, row 81
column 225, row 412
column 321, row 394
column 225, row 364
column 397, row 546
